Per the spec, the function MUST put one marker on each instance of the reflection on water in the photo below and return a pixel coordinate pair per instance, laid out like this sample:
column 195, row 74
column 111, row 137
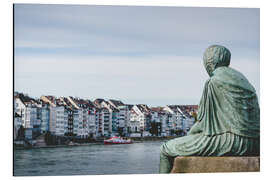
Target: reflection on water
column 137, row 158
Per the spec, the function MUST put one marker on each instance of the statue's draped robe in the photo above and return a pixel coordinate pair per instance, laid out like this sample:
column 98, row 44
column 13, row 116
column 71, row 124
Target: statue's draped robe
column 228, row 121
column 229, row 104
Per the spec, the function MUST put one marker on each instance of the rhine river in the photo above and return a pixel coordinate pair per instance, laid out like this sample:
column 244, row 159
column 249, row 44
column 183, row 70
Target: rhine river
column 93, row 159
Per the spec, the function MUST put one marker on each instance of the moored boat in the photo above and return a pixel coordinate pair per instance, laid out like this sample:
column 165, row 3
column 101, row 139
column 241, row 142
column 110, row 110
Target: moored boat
column 117, row 140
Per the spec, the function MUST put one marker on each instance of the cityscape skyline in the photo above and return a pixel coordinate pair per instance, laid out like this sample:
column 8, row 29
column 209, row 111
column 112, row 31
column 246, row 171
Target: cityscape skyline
column 93, row 99
column 71, row 116
column 152, row 55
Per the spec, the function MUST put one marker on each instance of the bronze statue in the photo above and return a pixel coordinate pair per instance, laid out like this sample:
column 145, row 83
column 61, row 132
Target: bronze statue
column 228, row 115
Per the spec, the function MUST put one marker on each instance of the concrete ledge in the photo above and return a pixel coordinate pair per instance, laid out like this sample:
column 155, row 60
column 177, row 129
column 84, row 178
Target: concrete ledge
column 215, row 164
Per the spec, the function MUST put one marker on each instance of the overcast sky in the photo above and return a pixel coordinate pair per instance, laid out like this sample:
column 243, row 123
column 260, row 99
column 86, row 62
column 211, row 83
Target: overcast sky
column 150, row 55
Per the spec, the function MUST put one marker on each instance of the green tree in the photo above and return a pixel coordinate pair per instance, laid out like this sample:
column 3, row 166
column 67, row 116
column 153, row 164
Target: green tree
column 21, row 133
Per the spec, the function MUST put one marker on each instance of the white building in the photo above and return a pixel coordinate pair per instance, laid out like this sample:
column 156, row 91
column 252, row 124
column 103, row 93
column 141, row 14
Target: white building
column 103, row 124
column 162, row 119
column 181, row 116
column 84, row 117
column 134, row 122
column 17, row 124
column 80, row 125
column 43, row 115
column 26, row 108
column 107, row 115
column 74, row 116
column 176, row 116
column 99, row 123
column 188, row 112
column 143, row 115
column 61, row 120
column 58, row 120
column 69, row 112
column 120, row 111
column 165, row 123
column 92, row 121
column 107, row 124
column 113, row 122
column 58, row 124
column 124, row 118
column 123, row 121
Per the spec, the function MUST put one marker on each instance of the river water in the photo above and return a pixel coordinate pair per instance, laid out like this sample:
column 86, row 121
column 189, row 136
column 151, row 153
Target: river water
column 136, row 158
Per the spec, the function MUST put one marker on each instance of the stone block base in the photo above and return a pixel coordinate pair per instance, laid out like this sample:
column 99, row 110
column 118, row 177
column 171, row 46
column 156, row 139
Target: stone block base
column 215, row 164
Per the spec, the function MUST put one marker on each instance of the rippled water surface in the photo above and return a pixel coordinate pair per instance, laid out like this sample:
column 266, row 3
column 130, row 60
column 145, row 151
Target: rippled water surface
column 137, row 158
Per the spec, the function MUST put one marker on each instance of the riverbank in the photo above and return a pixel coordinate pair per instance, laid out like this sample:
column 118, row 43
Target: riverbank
column 56, row 146
column 151, row 138
column 99, row 142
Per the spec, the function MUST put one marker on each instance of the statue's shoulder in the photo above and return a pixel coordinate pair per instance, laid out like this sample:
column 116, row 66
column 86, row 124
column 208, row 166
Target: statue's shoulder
column 226, row 76
column 227, row 73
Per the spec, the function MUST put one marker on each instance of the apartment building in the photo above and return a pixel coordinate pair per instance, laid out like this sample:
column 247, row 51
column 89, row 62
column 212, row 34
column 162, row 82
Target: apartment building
column 26, row 108
column 58, row 124
column 108, row 116
column 44, row 116
column 92, row 121
column 69, row 116
column 124, row 119
column 182, row 116
column 134, row 123
column 143, row 115
column 80, row 125
column 189, row 114
column 85, row 117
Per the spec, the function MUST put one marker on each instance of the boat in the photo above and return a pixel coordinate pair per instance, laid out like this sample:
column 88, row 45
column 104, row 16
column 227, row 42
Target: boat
column 117, row 140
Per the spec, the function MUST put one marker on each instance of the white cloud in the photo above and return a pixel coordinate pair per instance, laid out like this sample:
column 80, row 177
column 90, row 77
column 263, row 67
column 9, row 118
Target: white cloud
column 124, row 29
column 149, row 78
column 133, row 53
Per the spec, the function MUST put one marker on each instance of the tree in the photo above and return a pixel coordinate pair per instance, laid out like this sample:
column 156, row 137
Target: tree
column 49, row 139
column 194, row 115
column 120, row 131
column 179, row 132
column 154, row 128
column 21, row 134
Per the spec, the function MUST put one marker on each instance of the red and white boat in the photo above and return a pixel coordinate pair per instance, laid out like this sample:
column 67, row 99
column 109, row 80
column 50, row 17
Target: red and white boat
column 117, row 140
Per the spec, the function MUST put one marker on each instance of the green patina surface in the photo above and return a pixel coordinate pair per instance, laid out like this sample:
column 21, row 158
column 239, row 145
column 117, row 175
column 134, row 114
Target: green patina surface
column 228, row 115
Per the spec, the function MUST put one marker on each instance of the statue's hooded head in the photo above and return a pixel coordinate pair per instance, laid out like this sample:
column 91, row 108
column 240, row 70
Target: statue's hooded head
column 216, row 56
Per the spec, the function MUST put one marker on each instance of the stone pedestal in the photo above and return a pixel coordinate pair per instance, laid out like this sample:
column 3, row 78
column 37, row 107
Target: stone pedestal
column 215, row 164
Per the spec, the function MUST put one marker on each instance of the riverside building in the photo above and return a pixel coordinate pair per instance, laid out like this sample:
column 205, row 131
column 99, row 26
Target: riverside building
column 81, row 118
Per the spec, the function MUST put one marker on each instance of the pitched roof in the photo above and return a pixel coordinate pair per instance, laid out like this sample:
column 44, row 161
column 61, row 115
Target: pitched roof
column 188, row 109
column 113, row 108
column 116, row 103
column 28, row 101
column 157, row 109
column 143, row 108
column 78, row 102
column 25, row 99
column 130, row 106
column 97, row 102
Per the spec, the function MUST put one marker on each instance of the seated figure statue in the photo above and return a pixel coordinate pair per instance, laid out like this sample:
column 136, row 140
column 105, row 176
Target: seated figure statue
column 228, row 121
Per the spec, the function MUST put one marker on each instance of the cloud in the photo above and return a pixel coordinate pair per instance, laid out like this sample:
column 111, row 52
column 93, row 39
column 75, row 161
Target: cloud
column 138, row 54
column 151, row 30
column 150, row 78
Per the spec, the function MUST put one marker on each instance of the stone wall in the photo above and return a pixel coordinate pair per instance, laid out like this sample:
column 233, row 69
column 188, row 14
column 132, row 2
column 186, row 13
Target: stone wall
column 215, row 164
